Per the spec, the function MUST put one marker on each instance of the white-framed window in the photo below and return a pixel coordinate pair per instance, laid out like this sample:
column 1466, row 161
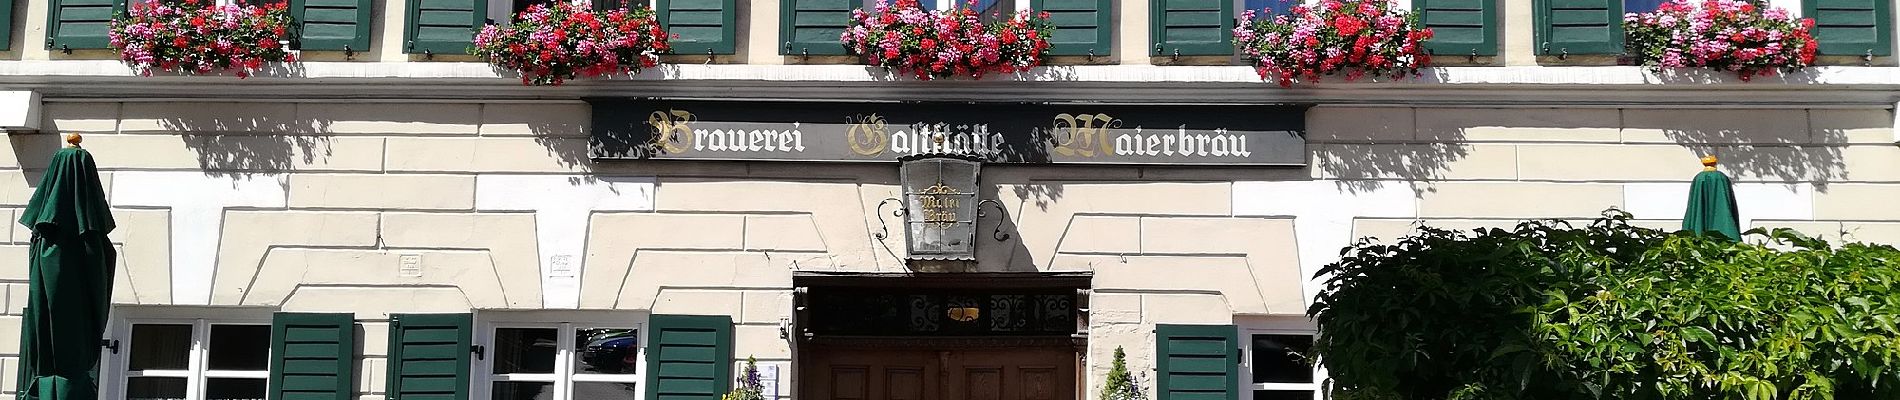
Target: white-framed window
column 1276, row 361
column 189, row 359
column 140, row 3
column 989, row 10
column 1643, row 6
column 546, row 357
column 1264, row 8
column 503, row 11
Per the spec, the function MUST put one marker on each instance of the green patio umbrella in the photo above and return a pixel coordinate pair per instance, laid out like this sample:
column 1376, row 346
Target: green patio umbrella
column 1712, row 204
column 70, row 280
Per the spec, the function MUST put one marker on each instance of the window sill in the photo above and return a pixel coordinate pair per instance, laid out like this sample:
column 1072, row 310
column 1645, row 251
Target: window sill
column 1828, row 84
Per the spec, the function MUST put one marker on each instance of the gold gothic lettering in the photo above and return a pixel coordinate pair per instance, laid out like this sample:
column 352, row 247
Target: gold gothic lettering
column 1080, row 135
column 867, row 136
column 940, row 204
column 671, row 130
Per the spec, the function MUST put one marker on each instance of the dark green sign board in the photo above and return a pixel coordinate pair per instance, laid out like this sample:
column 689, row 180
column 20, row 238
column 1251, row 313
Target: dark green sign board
column 1269, row 135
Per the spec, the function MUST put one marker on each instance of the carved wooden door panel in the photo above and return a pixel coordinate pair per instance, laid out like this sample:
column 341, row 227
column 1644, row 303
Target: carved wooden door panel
column 839, row 374
column 835, row 373
column 1010, row 374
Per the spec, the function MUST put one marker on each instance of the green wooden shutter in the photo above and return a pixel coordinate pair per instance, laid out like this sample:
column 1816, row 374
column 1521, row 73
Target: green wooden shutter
column 443, row 26
column 6, row 24
column 702, row 25
column 312, row 356
column 1197, row 362
column 1082, row 26
column 331, row 24
column 1191, row 27
column 1852, row 27
column 80, row 24
column 1460, row 27
column 428, row 356
column 813, row 26
column 691, row 357
column 1580, row 27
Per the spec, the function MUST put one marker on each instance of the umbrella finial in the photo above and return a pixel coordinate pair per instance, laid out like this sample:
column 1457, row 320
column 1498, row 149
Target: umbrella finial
column 1708, row 163
column 73, row 139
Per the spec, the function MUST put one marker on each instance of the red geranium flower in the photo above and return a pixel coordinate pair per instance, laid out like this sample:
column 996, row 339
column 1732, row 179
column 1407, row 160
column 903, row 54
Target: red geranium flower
column 1351, row 37
column 238, row 42
column 630, row 41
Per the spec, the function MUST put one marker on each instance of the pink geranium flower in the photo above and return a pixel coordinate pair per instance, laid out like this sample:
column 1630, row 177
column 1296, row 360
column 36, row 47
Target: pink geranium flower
column 549, row 45
column 214, row 38
column 1351, row 37
column 929, row 44
column 1722, row 35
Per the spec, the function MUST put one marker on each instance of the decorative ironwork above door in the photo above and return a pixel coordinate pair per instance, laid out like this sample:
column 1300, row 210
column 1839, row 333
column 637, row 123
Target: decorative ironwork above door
column 873, row 312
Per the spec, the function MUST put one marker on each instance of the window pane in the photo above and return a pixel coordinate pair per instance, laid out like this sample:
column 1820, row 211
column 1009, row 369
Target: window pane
column 524, row 350
column 522, row 5
column 1642, row 6
column 988, row 10
column 1271, row 7
column 603, row 390
column 155, row 388
column 1282, row 395
column 626, row 4
column 607, row 351
column 234, row 388
column 1282, row 359
column 240, row 347
column 524, row 391
column 160, row 347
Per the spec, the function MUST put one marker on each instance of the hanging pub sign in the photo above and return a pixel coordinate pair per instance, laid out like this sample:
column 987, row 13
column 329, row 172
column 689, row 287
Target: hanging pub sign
column 940, row 207
column 989, row 132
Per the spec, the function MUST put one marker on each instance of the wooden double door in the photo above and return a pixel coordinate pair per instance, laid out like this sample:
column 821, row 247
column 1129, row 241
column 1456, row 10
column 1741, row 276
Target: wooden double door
column 840, row 372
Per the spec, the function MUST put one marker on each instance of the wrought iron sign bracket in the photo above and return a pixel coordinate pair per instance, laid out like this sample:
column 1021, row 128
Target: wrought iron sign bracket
column 997, row 232
column 884, row 228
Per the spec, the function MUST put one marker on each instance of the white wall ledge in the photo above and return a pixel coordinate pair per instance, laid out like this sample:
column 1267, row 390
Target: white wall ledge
column 1106, row 83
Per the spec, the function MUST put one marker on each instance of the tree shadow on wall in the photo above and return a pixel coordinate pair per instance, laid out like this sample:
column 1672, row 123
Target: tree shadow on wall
column 566, row 140
column 1751, row 148
column 1374, row 145
column 1358, row 168
column 234, row 145
column 1039, row 194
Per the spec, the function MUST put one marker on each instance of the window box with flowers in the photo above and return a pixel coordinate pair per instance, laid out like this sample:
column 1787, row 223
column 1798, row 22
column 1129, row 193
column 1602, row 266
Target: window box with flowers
column 1721, row 35
column 200, row 37
column 930, row 44
column 1351, row 37
column 551, row 44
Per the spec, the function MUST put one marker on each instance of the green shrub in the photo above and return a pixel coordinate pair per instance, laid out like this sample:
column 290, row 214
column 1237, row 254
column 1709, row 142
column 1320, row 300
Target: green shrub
column 747, row 386
column 1121, row 384
column 1610, row 311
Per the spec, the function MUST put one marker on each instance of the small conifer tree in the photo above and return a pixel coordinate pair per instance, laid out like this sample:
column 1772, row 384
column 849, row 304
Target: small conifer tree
column 1121, row 384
